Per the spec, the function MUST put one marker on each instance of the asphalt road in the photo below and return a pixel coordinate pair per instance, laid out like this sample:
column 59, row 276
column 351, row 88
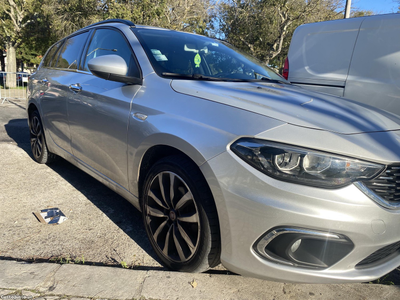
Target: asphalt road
column 102, row 227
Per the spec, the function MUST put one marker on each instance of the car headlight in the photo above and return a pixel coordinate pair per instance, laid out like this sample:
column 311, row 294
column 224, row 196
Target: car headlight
column 303, row 166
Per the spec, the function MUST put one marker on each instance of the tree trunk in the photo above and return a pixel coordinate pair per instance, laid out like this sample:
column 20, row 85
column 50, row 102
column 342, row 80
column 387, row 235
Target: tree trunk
column 11, row 66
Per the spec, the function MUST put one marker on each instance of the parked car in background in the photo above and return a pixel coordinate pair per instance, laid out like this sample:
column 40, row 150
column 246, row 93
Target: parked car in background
column 355, row 58
column 226, row 160
column 22, row 78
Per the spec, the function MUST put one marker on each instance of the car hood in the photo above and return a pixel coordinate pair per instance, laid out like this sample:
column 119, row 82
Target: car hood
column 293, row 105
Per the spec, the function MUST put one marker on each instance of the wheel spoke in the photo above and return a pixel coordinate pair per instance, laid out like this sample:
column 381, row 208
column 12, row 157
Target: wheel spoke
column 166, row 244
column 157, row 200
column 171, row 188
column 32, row 131
column 162, row 188
column 159, row 229
column 154, row 212
column 193, row 218
column 35, row 150
column 37, row 125
column 39, row 148
column 185, row 198
column 186, row 238
column 177, row 244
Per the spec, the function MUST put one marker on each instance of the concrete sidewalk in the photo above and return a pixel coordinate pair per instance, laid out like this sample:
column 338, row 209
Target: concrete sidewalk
column 19, row 280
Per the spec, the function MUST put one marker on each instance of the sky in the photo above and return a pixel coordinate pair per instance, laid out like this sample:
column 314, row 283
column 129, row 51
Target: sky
column 377, row 6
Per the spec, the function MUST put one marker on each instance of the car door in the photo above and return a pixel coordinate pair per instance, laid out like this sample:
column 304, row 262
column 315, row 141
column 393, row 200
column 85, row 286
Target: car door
column 58, row 79
column 39, row 79
column 99, row 110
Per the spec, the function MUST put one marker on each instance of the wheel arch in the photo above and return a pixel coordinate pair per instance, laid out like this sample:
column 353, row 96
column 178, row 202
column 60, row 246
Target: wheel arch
column 157, row 152
column 155, row 147
column 31, row 108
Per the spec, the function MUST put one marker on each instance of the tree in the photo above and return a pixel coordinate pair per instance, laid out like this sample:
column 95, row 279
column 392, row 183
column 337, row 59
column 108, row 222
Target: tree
column 184, row 15
column 13, row 20
column 263, row 27
column 36, row 38
column 67, row 16
column 187, row 15
column 361, row 13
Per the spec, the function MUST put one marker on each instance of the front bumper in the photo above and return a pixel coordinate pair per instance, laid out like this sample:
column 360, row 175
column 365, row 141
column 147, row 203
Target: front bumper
column 250, row 204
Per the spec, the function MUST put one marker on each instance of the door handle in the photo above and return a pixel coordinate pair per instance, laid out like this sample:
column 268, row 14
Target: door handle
column 76, row 88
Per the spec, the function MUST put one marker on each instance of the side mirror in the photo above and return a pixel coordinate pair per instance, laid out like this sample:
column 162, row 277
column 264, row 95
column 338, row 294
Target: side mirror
column 113, row 67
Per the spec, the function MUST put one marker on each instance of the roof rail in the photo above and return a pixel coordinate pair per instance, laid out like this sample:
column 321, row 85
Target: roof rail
column 127, row 22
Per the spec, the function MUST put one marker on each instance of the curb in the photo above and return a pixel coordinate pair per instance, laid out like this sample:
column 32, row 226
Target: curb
column 69, row 281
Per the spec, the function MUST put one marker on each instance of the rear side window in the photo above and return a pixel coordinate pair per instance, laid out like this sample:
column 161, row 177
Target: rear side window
column 107, row 41
column 50, row 55
column 55, row 58
column 70, row 53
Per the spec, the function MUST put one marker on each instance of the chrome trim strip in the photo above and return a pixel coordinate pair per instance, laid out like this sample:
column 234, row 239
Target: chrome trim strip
column 376, row 197
column 262, row 244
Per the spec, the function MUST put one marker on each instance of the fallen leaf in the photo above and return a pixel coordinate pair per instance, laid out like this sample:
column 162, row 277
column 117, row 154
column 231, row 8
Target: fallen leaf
column 193, row 284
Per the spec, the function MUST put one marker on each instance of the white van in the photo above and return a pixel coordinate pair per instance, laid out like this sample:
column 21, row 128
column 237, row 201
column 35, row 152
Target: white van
column 356, row 58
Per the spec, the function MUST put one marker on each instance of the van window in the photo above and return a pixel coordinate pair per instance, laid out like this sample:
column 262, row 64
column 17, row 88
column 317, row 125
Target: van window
column 107, row 41
column 70, row 53
column 50, row 55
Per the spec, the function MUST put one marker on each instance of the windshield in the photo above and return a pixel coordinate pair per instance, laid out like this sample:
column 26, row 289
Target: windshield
column 189, row 56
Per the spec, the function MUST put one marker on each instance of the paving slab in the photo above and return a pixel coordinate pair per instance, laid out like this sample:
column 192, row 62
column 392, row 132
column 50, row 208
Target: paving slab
column 96, row 282
column 4, row 292
column 173, row 285
column 24, row 276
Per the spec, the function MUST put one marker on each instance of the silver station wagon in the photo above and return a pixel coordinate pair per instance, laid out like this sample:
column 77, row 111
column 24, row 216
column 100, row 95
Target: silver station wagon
column 227, row 161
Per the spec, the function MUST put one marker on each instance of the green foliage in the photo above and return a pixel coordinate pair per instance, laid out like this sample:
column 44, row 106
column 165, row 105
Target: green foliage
column 264, row 28
column 384, row 280
column 36, row 38
column 361, row 13
column 124, row 265
column 185, row 15
column 67, row 16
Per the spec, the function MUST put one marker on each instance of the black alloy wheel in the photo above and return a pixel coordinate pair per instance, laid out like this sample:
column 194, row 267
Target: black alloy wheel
column 180, row 217
column 38, row 141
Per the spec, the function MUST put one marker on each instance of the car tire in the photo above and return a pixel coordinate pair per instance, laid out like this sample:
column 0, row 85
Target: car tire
column 180, row 216
column 38, row 141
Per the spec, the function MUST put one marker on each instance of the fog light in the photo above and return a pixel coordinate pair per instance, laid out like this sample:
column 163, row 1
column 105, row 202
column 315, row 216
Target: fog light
column 303, row 248
column 295, row 245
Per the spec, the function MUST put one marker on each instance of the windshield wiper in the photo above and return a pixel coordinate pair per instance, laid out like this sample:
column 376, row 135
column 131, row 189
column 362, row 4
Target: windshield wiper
column 198, row 77
column 266, row 78
column 272, row 80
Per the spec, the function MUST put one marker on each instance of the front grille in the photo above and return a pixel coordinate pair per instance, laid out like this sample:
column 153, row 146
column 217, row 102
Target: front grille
column 380, row 254
column 387, row 185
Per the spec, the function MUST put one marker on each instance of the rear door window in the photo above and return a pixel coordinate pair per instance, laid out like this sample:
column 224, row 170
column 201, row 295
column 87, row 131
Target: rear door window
column 70, row 53
column 50, row 55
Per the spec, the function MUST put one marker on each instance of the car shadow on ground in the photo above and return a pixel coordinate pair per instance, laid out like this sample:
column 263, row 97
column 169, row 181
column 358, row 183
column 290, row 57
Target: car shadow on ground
column 115, row 207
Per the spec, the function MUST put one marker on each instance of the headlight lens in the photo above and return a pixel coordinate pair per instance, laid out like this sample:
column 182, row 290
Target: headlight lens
column 303, row 166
